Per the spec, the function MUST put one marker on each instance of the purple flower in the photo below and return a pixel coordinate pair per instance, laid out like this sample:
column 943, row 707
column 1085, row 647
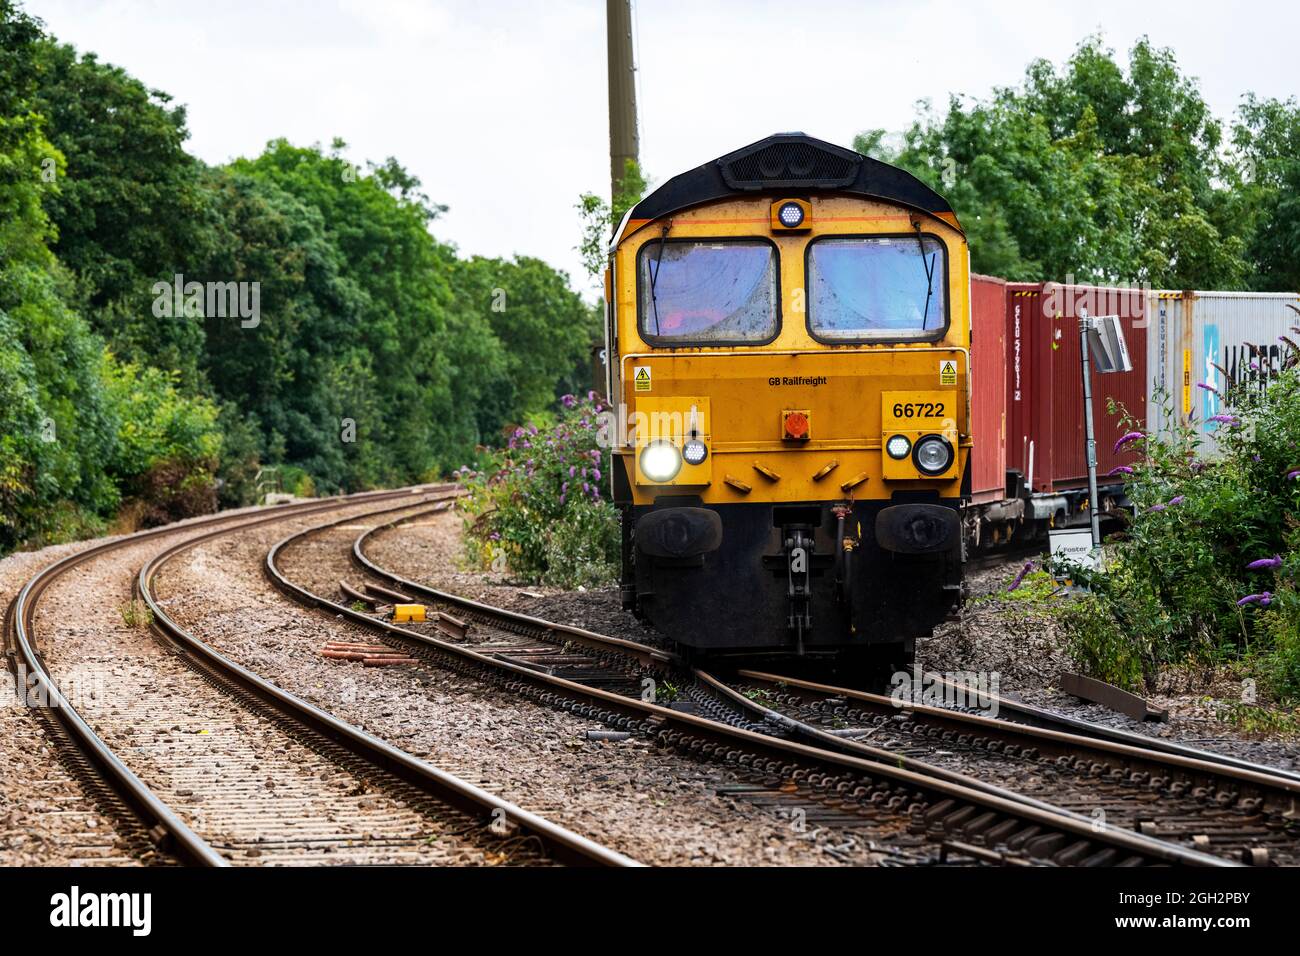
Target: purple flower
column 1254, row 366
column 1177, row 500
column 586, row 488
column 1224, row 419
column 1292, row 475
column 568, row 401
column 1029, row 565
column 1263, row 600
column 573, row 470
column 595, row 473
column 1127, row 439
column 1265, row 564
column 1119, row 470
column 562, row 497
column 1208, row 388
column 1157, row 508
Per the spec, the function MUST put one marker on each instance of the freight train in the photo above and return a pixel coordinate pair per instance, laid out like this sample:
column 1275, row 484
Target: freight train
column 788, row 330
column 1029, row 471
column 827, row 412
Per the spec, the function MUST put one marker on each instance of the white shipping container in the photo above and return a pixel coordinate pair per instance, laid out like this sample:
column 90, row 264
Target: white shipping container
column 1227, row 340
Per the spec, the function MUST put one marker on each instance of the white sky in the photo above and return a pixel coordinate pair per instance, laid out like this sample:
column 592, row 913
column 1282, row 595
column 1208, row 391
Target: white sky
column 499, row 105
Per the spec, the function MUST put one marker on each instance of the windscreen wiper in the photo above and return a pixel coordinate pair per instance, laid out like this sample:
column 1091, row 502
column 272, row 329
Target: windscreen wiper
column 654, row 276
column 929, row 274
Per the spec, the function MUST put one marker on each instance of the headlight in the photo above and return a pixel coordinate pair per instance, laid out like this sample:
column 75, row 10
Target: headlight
column 694, row 451
column 660, row 461
column 932, row 455
column 791, row 215
column 898, row 446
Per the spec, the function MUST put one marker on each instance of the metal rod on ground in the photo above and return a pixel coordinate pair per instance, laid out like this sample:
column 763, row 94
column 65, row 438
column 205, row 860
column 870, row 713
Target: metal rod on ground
column 1094, row 511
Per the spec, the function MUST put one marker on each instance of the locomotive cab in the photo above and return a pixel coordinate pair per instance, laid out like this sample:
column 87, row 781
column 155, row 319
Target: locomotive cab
column 788, row 341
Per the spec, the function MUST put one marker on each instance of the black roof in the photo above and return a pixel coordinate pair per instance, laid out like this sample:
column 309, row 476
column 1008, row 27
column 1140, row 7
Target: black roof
column 791, row 162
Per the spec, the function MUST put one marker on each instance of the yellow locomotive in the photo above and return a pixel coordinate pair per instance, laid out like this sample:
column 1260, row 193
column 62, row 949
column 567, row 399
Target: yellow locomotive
column 788, row 333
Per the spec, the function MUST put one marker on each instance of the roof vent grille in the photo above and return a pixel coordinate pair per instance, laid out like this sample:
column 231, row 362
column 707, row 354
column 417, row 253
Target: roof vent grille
column 776, row 164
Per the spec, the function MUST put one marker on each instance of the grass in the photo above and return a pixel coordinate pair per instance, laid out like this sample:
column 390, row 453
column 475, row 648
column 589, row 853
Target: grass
column 136, row 614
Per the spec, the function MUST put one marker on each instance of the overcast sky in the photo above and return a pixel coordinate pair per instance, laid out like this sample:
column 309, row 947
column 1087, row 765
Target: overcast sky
column 499, row 105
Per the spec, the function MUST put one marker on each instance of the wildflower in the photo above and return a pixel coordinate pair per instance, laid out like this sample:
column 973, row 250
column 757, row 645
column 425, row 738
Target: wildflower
column 568, row 401
column 1263, row 599
column 1265, row 564
column 1157, row 508
column 1177, row 500
column 1293, row 475
column 1224, row 419
column 1119, row 470
column 1208, row 388
column 562, row 497
column 595, row 473
column 1029, row 565
column 573, row 470
column 1128, row 439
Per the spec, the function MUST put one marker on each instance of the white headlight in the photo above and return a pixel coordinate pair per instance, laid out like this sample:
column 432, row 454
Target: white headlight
column 660, row 461
column 898, row 446
column 933, row 455
column 695, row 451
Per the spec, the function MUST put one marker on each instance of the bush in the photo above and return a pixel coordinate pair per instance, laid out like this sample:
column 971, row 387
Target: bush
column 1207, row 571
column 537, row 506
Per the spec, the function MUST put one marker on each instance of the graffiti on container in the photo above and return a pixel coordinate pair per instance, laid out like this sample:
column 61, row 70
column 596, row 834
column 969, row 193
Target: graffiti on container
column 1210, row 399
column 1250, row 365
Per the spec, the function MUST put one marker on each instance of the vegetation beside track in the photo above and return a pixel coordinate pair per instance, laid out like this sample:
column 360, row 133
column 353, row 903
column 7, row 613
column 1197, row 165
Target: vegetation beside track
column 1208, row 571
column 539, row 507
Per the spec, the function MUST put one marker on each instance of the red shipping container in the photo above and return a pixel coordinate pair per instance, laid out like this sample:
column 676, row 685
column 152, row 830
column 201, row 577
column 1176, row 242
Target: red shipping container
column 1045, row 384
column 988, row 358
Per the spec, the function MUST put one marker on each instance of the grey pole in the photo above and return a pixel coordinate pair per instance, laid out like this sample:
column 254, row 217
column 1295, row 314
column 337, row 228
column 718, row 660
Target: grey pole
column 1085, row 324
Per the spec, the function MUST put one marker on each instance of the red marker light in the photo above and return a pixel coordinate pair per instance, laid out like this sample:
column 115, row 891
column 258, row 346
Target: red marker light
column 796, row 426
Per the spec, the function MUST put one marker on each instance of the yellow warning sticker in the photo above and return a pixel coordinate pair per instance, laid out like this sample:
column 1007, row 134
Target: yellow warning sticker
column 948, row 372
column 641, row 378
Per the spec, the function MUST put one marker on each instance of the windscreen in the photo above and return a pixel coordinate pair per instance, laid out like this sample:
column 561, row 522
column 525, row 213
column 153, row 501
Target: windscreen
column 708, row 292
column 876, row 288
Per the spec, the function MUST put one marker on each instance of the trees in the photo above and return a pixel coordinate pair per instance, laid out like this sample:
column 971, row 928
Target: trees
column 129, row 209
column 1097, row 172
column 1268, row 137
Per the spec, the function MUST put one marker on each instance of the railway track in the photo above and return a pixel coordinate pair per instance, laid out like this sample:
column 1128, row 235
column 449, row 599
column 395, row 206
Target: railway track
column 955, row 813
column 1249, row 812
column 200, row 761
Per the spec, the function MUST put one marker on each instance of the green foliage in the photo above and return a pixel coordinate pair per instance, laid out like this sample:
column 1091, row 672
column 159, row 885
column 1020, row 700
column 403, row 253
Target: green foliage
column 374, row 359
column 600, row 218
column 1180, row 587
column 537, row 507
column 1095, row 172
column 1267, row 137
column 129, row 209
